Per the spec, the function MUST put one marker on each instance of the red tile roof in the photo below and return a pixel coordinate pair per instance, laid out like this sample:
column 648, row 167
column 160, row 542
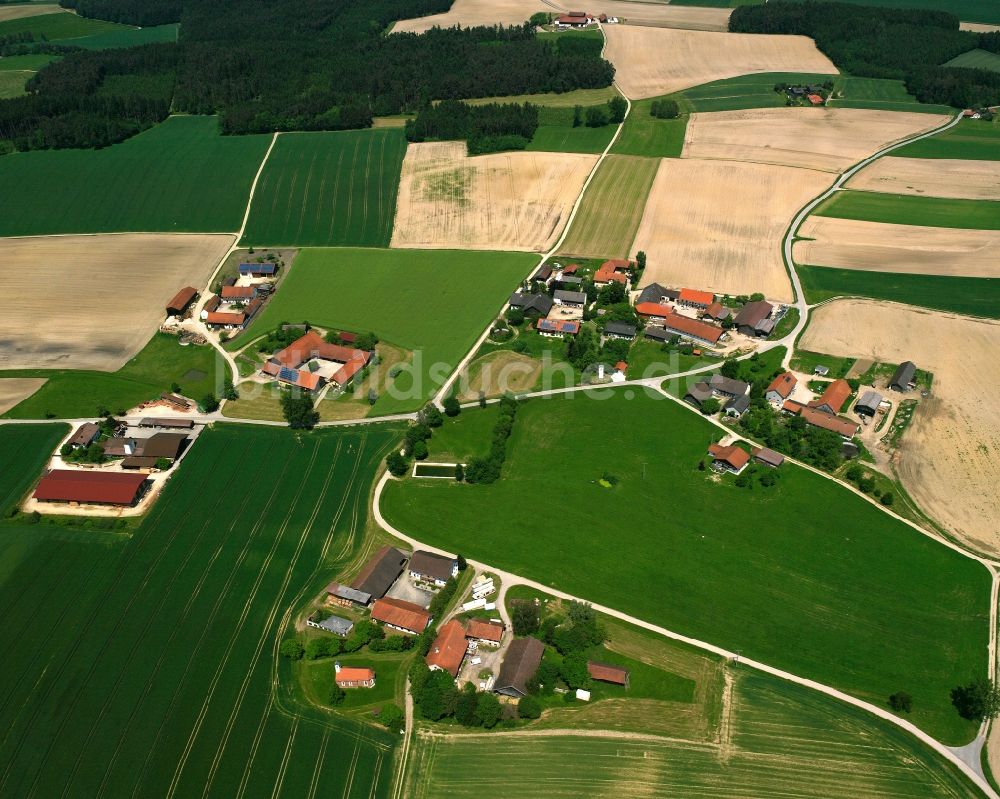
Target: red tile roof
column 344, row 374
column 354, row 674
column 621, row 366
column 571, row 269
column 484, row 630
column 225, row 318
column 696, row 297
column 400, row 613
column 815, row 99
column 783, row 384
column 733, row 455
column 237, row 292
column 828, row 421
column 653, row 309
column 692, row 327
column 607, row 673
column 448, row 649
column 613, row 270
column 312, row 345
column 182, row 299
column 106, row 488
column 835, row 396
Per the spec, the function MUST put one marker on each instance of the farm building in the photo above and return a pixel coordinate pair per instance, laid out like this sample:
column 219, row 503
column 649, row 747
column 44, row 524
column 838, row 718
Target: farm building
column 693, row 329
column 698, row 393
column 657, row 333
column 717, row 312
column 902, row 379
column 833, row 398
column 285, row 364
column 211, row 304
column 238, row 295
column 484, row 632
column 768, row 457
column 814, row 99
column 166, row 423
column 338, row 594
column 657, row 294
column 569, row 269
column 605, row 672
column 519, row 665
column 380, row 572
column 432, row 568
column 230, row 320
column 84, row 436
column 574, row 19
column 727, row 386
column 822, row 419
column 177, row 402
column 258, row 270
column 401, row 615
column 622, row 330
column 181, row 301
column 162, row 445
column 555, row 328
column 781, row 388
column 91, row 488
column 692, row 298
column 730, row 458
column 334, row 624
column 574, row 299
column 354, row 677
column 531, row 304
column 448, row 649
column 652, row 310
column 543, row 275
column 737, row 406
column 570, row 281
column 615, row 270
column 754, row 318
column 868, row 404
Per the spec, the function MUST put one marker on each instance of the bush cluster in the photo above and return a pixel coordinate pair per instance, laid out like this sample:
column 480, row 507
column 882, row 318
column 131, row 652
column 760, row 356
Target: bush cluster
column 487, row 470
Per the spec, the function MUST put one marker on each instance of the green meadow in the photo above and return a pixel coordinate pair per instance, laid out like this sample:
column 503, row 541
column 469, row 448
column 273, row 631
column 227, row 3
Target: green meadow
column 973, row 296
column 434, row 303
column 146, row 665
column 58, row 25
column 971, row 139
column 873, row 606
column 976, row 59
column 555, row 133
column 881, row 94
column 327, row 189
column 910, row 209
column 179, row 176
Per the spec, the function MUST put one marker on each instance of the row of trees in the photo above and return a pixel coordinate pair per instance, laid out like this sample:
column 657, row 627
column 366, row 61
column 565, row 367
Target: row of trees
column 143, row 13
column 487, row 469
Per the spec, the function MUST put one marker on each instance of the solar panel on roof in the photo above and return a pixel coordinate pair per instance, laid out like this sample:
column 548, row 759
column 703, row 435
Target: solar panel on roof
column 291, row 375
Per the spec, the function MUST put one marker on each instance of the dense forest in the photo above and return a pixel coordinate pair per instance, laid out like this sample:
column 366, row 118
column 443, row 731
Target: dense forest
column 281, row 65
column 487, row 128
column 905, row 44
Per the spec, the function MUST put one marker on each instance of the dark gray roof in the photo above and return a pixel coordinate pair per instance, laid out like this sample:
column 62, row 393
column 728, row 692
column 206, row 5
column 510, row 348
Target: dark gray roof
column 727, row 385
column 738, row 404
column 753, row 313
column 620, row 329
column 769, row 456
column 380, row 572
column 577, row 297
column 159, row 421
column 870, row 400
column 542, row 303
column 699, row 392
column 84, row 435
column 351, row 594
column 429, row 564
column 658, row 333
column 520, row 664
column 570, row 280
column 904, row 376
column 654, row 292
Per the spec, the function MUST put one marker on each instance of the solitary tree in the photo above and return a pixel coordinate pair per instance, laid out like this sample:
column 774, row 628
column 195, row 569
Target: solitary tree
column 901, row 702
column 208, row 404
column 459, row 472
column 452, row 406
column 299, row 411
column 617, row 108
column 640, row 260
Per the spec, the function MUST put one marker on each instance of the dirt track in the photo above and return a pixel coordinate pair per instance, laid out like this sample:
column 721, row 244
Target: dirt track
column 506, row 201
column 933, row 177
column 950, row 455
column 881, row 247
column 92, row 302
column 15, row 389
column 830, row 139
column 654, row 61
column 717, row 225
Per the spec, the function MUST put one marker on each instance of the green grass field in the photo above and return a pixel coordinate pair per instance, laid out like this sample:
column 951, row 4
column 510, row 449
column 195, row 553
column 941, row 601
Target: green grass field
column 147, row 665
column 127, row 37
column 58, row 25
column 180, row 176
column 976, row 59
column 909, row 209
column 612, row 208
column 873, row 606
column 647, row 136
column 971, row 139
column 576, row 97
column 556, row 134
column 778, row 735
column 880, row 94
column 327, row 189
column 973, row 296
column 29, row 63
column 71, row 394
column 433, row 302
column 12, row 83
column 25, row 450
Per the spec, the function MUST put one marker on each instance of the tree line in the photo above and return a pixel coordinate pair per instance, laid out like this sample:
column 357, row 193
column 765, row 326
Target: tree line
column 143, row 13
column 487, row 128
column 903, row 44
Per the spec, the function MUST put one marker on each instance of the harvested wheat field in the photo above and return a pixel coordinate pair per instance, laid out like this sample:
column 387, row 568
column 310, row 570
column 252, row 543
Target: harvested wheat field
column 911, row 249
column 469, row 13
column 654, row 61
column 32, row 10
column 934, row 177
column 92, row 302
column 717, row 225
column 831, row 139
column 504, row 201
column 662, row 15
column 950, row 455
column 15, row 389
column 978, row 27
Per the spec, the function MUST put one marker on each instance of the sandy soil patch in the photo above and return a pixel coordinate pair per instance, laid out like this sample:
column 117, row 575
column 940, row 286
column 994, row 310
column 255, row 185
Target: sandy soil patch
column 468, row 13
column 949, row 458
column 912, row 249
column 717, row 225
column 19, row 12
column 505, row 201
column 92, row 302
column 978, row 27
column 831, row 139
column 15, row 389
column 934, row 177
column 652, row 61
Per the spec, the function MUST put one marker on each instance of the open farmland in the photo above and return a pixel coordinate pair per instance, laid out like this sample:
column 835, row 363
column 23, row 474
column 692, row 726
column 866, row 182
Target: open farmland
column 949, row 455
column 418, row 300
column 777, row 735
column 153, row 670
column 659, row 14
column 326, row 189
column 180, row 176
column 882, row 94
column 504, row 201
column 932, row 177
column 970, row 139
column 882, row 247
column 830, row 139
column 803, row 561
column 717, row 225
column 74, row 320
column 15, row 389
column 469, row 13
column 58, row 24
column 912, row 209
column 654, row 61
column 612, row 208
column 20, row 10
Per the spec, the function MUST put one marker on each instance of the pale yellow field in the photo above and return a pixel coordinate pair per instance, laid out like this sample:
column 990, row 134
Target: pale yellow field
column 933, row 177
column 717, row 225
column 92, row 302
column 950, row 455
column 15, row 389
column 653, row 61
column 978, row 27
column 881, row 247
column 503, row 201
column 468, row 13
column 831, row 139
column 664, row 16
column 21, row 11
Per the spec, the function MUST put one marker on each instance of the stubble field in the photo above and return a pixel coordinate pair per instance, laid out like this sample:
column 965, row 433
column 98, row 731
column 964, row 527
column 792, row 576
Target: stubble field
column 15, row 389
column 830, row 139
column 27, row 10
column 653, row 61
column 505, row 201
column 933, row 177
column 99, row 298
column 883, row 247
column 717, row 225
column 949, row 455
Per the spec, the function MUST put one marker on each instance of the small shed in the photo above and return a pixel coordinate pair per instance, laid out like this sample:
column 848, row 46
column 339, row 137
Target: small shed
column 768, row 457
column 868, row 404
